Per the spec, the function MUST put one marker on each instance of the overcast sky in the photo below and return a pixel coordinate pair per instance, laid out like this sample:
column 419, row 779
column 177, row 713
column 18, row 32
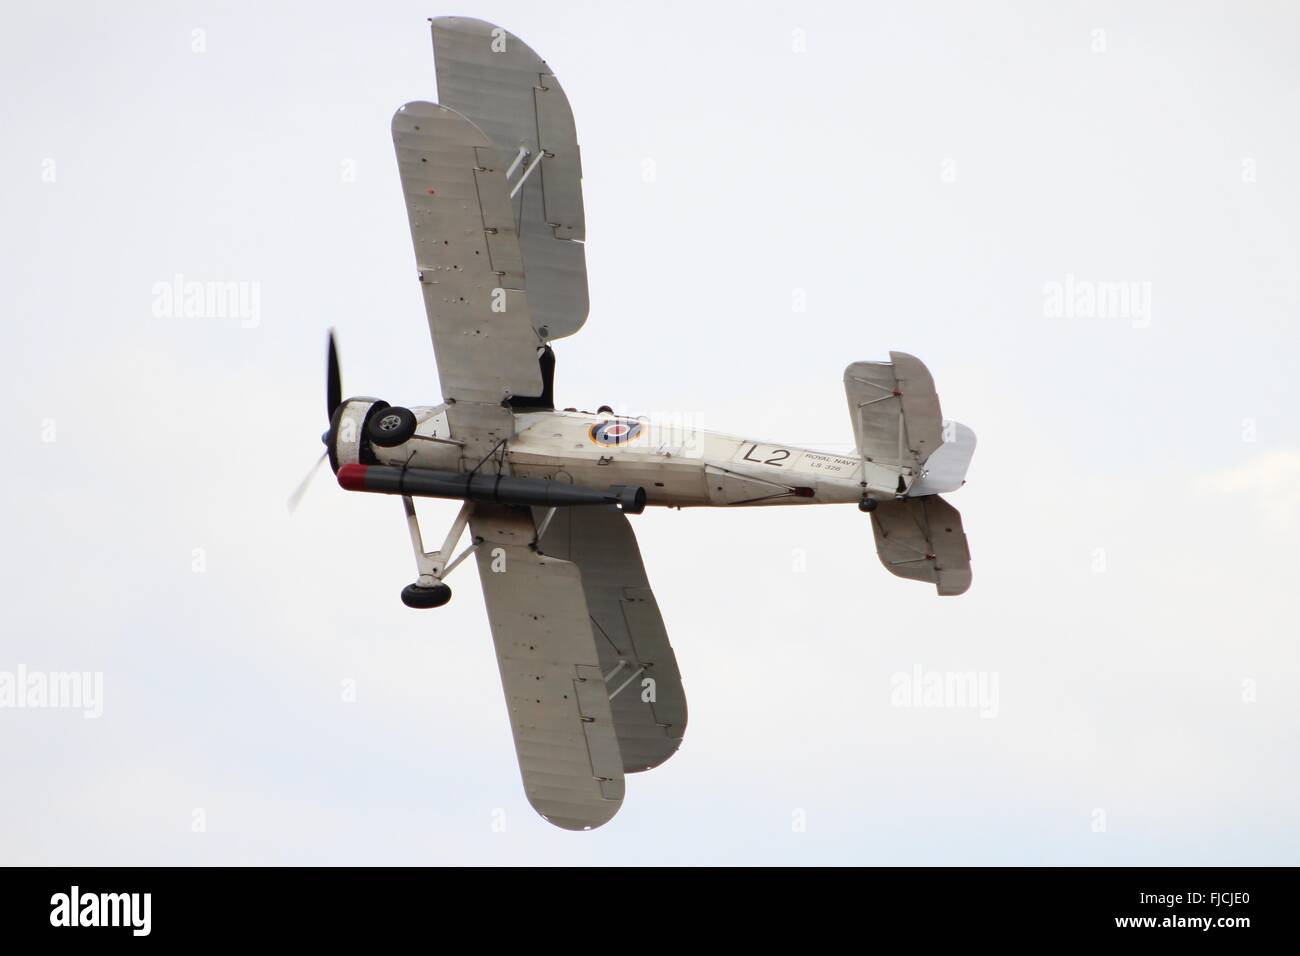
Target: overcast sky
column 932, row 180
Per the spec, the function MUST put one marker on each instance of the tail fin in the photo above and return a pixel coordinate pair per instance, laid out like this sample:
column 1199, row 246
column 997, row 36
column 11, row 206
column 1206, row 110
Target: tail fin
column 945, row 469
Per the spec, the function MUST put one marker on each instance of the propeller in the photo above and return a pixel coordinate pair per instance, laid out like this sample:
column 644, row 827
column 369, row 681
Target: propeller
column 296, row 498
column 333, row 399
column 333, row 380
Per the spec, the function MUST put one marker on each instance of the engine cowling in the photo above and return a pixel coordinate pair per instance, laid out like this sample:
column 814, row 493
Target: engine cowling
column 346, row 439
column 369, row 431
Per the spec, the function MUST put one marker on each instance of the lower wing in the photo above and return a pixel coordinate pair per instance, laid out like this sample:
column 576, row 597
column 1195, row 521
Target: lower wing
column 551, row 670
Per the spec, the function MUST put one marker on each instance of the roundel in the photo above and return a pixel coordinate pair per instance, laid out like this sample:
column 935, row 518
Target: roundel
column 614, row 432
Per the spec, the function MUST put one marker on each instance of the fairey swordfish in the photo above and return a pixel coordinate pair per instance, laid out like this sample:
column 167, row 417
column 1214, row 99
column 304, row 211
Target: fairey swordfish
column 492, row 180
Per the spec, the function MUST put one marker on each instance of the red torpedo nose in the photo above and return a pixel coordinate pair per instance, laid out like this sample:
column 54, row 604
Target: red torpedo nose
column 352, row 477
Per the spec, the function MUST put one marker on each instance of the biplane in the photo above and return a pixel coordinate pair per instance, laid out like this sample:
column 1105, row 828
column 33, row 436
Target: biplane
column 492, row 180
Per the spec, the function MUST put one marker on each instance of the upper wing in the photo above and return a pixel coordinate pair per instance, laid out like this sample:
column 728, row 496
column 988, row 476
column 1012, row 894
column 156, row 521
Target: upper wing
column 467, row 252
column 648, row 701
column 923, row 539
column 558, row 700
column 492, row 77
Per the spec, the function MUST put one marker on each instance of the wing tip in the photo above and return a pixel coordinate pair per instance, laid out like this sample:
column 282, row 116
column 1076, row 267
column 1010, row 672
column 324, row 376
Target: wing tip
column 953, row 583
column 565, row 817
column 423, row 110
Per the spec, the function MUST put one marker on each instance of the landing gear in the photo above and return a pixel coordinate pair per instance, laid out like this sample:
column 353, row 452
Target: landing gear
column 867, row 504
column 413, row 595
column 391, row 426
column 428, row 590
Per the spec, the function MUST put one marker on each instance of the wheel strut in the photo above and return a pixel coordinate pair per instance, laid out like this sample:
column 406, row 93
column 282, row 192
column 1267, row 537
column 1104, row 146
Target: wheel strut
column 432, row 566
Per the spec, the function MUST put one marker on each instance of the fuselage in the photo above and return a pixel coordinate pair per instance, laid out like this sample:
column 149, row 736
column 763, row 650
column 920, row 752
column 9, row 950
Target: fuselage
column 679, row 467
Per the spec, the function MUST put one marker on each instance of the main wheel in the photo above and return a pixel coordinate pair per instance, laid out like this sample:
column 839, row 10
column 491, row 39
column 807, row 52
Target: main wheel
column 417, row 597
column 867, row 504
column 391, row 427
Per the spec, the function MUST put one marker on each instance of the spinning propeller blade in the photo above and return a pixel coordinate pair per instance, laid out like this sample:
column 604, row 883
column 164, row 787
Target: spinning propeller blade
column 296, row 498
column 333, row 399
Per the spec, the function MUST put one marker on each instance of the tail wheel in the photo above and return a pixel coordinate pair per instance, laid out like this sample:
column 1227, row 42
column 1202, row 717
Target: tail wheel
column 417, row 597
column 391, row 427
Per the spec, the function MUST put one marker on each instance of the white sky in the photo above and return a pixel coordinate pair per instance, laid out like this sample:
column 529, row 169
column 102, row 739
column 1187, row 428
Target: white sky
column 921, row 175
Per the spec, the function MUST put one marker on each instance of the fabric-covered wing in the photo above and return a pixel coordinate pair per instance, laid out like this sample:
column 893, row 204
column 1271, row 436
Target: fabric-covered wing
column 923, row 539
column 492, row 77
column 550, row 668
column 649, row 703
column 467, row 253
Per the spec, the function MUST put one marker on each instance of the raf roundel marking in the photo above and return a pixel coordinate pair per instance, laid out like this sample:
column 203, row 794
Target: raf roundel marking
column 614, row 432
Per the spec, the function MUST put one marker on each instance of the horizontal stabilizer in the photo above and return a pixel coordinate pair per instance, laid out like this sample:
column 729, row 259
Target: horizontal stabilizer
column 923, row 539
column 895, row 411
